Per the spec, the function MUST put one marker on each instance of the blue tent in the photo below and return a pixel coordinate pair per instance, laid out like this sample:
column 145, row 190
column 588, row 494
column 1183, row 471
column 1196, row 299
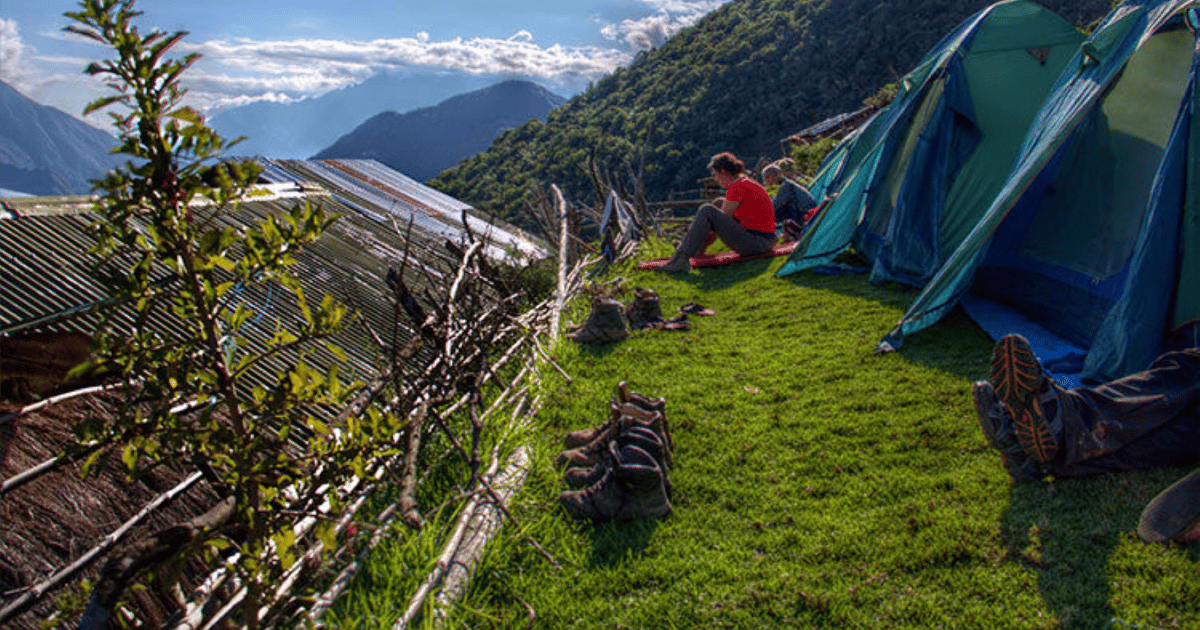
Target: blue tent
column 1092, row 246
column 916, row 177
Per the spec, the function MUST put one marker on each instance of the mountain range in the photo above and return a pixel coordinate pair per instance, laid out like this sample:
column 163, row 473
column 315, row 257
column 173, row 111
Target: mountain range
column 429, row 140
column 44, row 151
column 300, row 129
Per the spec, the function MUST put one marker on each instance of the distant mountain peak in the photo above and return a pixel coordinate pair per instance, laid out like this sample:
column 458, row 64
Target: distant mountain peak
column 302, row 128
column 44, row 151
column 424, row 142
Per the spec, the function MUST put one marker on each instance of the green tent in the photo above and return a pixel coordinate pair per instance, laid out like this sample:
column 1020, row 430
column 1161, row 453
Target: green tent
column 917, row 177
column 1092, row 246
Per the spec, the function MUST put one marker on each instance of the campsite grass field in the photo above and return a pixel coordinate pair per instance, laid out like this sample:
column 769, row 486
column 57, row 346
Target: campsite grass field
column 815, row 486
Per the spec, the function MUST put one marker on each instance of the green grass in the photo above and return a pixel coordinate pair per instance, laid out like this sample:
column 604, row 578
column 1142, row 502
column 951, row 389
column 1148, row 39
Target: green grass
column 817, row 485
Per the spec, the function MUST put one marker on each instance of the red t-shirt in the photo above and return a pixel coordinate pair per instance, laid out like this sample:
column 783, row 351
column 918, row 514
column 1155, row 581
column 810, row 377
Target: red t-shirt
column 754, row 210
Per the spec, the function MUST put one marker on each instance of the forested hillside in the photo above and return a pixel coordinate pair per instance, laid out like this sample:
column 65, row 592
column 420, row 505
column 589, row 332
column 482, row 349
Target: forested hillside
column 746, row 76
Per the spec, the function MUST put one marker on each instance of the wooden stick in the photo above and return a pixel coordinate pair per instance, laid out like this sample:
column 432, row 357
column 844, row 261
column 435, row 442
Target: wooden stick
column 29, row 597
column 484, row 522
column 560, row 296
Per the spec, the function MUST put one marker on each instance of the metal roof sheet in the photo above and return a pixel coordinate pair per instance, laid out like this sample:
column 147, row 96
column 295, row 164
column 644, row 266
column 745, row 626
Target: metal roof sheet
column 378, row 191
column 48, row 284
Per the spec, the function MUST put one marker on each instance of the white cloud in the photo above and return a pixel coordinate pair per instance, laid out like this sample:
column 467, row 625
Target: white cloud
column 237, row 70
column 12, row 53
column 240, row 71
column 669, row 17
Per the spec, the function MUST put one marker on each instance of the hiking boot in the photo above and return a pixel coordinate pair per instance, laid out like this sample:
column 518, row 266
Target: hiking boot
column 626, row 417
column 637, row 402
column 578, row 477
column 1029, row 395
column 645, row 309
column 655, row 418
column 593, row 451
column 1174, row 514
column 604, row 324
column 578, row 438
column 643, row 438
column 644, row 402
column 633, row 488
column 998, row 429
column 626, row 395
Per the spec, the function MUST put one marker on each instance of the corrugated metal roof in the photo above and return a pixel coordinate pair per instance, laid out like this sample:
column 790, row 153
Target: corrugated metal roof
column 378, row 191
column 48, row 284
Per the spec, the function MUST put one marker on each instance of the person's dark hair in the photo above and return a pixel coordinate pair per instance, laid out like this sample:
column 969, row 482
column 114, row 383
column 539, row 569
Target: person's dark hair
column 727, row 163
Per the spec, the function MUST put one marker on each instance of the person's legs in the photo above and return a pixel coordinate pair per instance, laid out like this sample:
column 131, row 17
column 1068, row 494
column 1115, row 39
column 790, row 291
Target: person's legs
column 710, row 219
column 1143, row 420
column 1108, row 417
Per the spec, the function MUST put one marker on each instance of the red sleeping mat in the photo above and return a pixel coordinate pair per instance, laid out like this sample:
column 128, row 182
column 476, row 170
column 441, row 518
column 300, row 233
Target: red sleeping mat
column 723, row 258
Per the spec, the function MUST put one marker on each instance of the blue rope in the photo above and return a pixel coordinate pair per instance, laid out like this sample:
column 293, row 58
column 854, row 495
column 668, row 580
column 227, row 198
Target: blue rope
column 1117, row 623
column 229, row 345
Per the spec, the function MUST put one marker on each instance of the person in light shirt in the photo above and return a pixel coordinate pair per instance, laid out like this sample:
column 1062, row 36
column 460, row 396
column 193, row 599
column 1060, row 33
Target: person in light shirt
column 791, row 200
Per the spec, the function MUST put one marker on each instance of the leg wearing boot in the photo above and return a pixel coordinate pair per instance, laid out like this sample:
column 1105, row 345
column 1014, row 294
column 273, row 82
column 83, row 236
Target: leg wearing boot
column 1143, row 420
column 1029, row 395
column 1173, row 515
column 710, row 220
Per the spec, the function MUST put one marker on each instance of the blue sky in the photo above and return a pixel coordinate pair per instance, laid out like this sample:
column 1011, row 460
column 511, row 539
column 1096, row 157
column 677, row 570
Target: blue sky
column 284, row 50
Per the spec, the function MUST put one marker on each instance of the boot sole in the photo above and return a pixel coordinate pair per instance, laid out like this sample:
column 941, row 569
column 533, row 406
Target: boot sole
column 1015, row 375
column 1173, row 512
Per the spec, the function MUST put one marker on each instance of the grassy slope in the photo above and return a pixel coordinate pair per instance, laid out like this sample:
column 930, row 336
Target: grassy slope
column 816, row 485
column 820, row 486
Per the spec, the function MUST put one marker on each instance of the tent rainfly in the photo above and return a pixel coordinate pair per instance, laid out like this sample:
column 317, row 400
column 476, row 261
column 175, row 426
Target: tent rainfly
column 1091, row 248
column 914, row 180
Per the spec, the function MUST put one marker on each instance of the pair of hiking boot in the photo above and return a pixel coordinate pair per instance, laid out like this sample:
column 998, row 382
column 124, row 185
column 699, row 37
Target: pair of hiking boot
column 645, row 311
column 607, row 321
column 1018, row 408
column 620, row 469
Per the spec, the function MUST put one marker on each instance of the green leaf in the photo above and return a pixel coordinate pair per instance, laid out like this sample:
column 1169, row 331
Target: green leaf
column 88, row 464
column 101, row 103
column 337, row 351
column 129, row 455
column 327, row 533
column 285, row 545
column 319, row 427
column 187, row 114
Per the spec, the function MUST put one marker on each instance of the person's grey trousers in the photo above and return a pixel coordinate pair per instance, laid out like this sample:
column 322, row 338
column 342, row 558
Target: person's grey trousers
column 709, row 218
